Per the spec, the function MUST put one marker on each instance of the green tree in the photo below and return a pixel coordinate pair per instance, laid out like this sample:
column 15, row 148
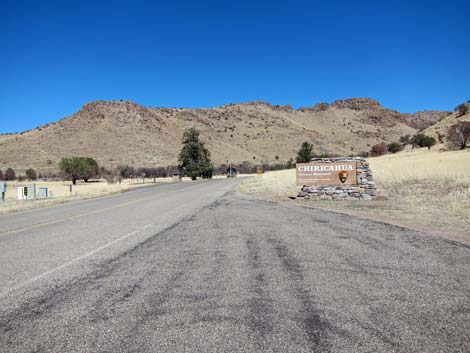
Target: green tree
column 422, row 140
column 79, row 168
column 194, row 158
column 305, row 153
column 428, row 142
column 10, row 174
column 31, row 174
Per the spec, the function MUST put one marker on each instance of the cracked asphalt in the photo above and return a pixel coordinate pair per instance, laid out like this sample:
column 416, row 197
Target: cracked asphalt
column 199, row 268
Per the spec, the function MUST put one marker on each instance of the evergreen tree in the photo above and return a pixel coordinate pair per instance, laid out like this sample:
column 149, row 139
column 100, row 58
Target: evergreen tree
column 31, row 174
column 10, row 174
column 194, row 159
column 305, row 153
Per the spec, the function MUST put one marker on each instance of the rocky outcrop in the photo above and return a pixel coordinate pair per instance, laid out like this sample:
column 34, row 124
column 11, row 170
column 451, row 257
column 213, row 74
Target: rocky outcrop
column 356, row 104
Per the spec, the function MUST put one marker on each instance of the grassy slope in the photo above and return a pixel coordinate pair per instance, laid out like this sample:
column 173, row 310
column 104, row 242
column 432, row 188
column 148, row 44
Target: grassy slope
column 426, row 190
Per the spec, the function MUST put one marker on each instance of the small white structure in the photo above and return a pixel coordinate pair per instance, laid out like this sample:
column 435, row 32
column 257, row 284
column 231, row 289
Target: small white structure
column 21, row 192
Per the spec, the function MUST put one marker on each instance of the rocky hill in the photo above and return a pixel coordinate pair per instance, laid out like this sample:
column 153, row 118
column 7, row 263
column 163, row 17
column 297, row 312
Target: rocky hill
column 118, row 133
column 442, row 126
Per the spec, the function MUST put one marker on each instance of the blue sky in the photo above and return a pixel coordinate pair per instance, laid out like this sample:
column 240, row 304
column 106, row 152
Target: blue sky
column 58, row 55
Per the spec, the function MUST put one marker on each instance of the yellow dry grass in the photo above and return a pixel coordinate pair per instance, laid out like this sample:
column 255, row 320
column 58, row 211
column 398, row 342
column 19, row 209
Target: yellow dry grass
column 427, row 190
column 61, row 192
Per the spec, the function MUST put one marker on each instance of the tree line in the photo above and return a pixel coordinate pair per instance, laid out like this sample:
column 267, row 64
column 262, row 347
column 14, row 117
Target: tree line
column 458, row 137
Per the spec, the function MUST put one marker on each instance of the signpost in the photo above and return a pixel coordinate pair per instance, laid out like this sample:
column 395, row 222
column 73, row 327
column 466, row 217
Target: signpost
column 324, row 173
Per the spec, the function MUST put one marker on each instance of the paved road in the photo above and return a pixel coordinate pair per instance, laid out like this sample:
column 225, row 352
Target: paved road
column 197, row 268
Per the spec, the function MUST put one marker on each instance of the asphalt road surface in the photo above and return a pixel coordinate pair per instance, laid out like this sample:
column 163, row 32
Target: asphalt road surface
column 195, row 267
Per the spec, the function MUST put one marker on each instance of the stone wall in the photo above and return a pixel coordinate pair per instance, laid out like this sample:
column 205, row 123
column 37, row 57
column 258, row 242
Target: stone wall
column 364, row 190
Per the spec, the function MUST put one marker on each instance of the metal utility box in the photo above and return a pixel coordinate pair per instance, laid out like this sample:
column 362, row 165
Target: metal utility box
column 31, row 192
column 27, row 192
column 3, row 191
column 20, row 192
column 43, row 193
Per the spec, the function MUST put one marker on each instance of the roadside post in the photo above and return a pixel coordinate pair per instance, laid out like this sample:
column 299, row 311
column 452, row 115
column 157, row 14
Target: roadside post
column 3, row 190
column 70, row 189
column 143, row 178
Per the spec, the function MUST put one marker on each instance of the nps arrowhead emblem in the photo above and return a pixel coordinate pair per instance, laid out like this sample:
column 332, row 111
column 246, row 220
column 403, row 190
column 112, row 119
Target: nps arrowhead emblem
column 343, row 176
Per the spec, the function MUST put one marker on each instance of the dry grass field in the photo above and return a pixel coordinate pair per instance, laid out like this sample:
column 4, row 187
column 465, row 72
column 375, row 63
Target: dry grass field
column 426, row 190
column 61, row 192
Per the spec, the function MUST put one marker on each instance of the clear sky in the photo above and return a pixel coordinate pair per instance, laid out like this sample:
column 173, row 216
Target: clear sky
column 58, row 55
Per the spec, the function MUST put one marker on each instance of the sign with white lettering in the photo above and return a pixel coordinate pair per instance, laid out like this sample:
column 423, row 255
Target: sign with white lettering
column 323, row 173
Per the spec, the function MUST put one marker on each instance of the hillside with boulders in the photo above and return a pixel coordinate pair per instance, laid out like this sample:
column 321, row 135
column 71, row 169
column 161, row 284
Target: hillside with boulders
column 125, row 133
column 440, row 129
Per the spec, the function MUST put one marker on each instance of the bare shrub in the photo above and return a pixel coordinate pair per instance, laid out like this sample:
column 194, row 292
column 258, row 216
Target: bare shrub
column 379, row 149
column 459, row 135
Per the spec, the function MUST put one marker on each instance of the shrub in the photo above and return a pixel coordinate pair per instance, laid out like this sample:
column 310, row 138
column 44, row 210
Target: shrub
column 405, row 140
column 394, row 147
column 379, row 149
column 461, row 109
column 10, row 174
column 1, row 175
column 459, row 135
column 125, row 171
column 290, row 163
column 31, row 174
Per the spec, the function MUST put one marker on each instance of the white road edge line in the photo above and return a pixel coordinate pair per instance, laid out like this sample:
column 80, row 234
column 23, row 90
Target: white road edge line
column 71, row 262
